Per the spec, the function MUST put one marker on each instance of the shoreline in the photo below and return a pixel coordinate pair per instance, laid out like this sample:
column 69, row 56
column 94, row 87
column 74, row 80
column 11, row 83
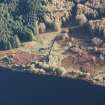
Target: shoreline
column 68, row 76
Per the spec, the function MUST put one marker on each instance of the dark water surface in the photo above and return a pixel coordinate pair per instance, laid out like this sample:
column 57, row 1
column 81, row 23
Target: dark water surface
column 27, row 89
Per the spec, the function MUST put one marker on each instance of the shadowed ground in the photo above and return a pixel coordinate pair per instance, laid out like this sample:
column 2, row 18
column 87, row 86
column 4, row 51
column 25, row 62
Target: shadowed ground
column 26, row 89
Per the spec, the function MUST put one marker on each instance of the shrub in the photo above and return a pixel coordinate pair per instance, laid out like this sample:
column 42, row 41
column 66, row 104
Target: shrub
column 26, row 35
column 56, row 26
column 96, row 41
column 81, row 19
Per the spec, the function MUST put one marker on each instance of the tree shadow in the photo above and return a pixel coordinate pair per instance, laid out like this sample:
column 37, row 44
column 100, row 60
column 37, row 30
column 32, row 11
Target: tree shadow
column 27, row 89
column 81, row 33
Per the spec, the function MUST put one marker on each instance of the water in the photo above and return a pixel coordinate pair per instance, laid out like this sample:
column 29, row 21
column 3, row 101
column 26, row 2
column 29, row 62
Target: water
column 26, row 89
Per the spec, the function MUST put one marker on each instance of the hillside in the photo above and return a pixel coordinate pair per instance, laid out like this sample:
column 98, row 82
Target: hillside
column 21, row 20
column 56, row 37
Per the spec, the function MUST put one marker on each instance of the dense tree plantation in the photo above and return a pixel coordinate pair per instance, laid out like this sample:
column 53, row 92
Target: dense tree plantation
column 18, row 21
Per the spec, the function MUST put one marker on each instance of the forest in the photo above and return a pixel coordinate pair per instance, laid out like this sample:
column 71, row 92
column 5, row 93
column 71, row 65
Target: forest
column 18, row 21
